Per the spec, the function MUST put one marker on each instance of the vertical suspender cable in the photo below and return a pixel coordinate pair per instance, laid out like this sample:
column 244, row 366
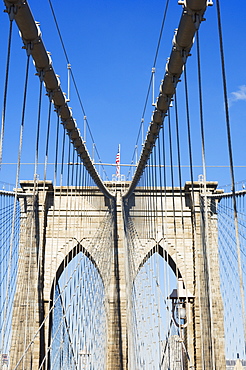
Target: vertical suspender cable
column 189, row 137
column 62, row 162
column 47, row 143
column 74, row 82
column 57, row 146
column 51, row 317
column 141, row 127
column 161, row 189
column 39, row 251
column 166, row 272
column 38, row 131
column 231, row 171
column 172, row 185
column 181, row 205
column 5, row 91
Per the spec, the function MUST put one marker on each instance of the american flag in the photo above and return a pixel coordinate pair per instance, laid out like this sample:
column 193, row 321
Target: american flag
column 117, row 161
column 5, row 359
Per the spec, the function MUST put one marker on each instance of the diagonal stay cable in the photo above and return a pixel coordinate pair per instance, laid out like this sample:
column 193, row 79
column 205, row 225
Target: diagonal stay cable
column 16, row 187
column 222, row 57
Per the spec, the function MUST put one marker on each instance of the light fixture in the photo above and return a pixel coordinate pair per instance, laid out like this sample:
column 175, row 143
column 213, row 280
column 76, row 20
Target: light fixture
column 180, row 298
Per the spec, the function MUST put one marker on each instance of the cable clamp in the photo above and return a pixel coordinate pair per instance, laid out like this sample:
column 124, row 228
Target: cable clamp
column 28, row 47
column 40, row 73
column 58, row 109
column 12, row 10
column 185, row 54
column 196, row 14
column 184, row 3
column 197, row 19
column 29, row 44
column 50, row 94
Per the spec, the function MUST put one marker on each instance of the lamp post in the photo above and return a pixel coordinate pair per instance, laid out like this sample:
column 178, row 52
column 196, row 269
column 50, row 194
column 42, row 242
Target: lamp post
column 84, row 355
column 180, row 298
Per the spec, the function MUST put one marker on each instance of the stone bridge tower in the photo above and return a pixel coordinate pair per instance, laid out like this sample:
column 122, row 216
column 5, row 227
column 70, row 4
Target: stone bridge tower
column 196, row 261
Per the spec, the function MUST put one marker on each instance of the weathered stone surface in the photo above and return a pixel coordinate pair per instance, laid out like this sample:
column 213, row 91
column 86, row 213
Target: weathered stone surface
column 57, row 221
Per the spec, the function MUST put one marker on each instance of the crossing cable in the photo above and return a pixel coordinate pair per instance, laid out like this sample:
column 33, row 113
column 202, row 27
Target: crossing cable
column 152, row 181
column 59, row 351
column 11, row 15
column 150, row 277
column 227, row 225
column 67, row 330
column 16, row 186
column 241, row 221
column 20, row 146
column 50, row 310
column 222, row 57
column 228, row 260
column 44, row 360
column 230, row 305
column 8, row 298
column 6, row 215
column 102, row 239
column 54, row 206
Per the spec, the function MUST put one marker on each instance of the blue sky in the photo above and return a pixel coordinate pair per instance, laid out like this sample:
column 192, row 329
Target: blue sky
column 111, row 46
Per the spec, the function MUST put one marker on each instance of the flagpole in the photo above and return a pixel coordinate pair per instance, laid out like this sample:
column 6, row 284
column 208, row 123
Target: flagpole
column 119, row 163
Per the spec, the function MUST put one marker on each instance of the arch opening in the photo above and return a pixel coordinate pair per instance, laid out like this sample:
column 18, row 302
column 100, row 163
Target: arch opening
column 155, row 338
column 78, row 320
